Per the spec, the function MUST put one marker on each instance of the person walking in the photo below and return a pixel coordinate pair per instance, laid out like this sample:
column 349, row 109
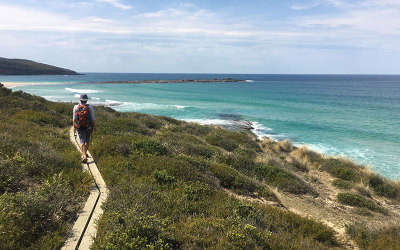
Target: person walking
column 84, row 123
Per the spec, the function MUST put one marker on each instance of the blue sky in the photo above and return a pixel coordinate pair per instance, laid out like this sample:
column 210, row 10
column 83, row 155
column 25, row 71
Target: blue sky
column 205, row 36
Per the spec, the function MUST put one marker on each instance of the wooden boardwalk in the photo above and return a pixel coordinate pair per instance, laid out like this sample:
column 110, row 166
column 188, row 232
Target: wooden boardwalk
column 84, row 230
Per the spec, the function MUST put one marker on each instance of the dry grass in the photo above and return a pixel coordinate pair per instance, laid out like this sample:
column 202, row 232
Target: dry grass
column 266, row 143
column 363, row 189
column 270, row 160
column 300, row 158
column 283, row 146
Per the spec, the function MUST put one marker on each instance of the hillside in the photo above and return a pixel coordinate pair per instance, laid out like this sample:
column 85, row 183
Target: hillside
column 178, row 185
column 42, row 186
column 27, row 67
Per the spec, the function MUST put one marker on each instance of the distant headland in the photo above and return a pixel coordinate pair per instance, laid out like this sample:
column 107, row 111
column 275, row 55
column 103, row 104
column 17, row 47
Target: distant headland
column 179, row 81
column 28, row 67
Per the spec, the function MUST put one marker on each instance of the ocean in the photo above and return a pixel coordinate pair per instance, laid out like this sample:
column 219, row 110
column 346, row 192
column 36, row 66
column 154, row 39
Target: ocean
column 357, row 116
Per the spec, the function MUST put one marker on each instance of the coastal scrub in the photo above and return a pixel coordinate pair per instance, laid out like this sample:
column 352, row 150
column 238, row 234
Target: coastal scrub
column 42, row 185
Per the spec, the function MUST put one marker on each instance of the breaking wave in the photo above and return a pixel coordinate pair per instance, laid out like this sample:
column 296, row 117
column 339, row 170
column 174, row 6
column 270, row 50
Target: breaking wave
column 136, row 106
column 83, row 91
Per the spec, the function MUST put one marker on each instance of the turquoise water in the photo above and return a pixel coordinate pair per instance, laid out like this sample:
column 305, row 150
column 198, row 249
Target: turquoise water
column 352, row 115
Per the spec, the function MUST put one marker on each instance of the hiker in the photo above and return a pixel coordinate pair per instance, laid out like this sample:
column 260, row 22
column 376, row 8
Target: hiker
column 85, row 123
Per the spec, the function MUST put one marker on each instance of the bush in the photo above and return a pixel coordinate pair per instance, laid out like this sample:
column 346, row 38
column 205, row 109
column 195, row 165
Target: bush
column 163, row 177
column 219, row 139
column 11, row 175
column 230, row 140
column 380, row 239
column 342, row 184
column 142, row 233
column 179, row 143
column 40, row 118
column 111, row 145
column 242, row 159
column 284, row 180
column 341, row 169
column 196, row 191
column 356, row 200
column 149, row 146
column 382, row 187
column 232, row 179
column 41, row 181
column 123, row 125
column 28, row 217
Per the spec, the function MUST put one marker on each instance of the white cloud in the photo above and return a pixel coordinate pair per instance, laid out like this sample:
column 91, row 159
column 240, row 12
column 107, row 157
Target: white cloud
column 306, row 6
column 370, row 17
column 186, row 31
column 116, row 3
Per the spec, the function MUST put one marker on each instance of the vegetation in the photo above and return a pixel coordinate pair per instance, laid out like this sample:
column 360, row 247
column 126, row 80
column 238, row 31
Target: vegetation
column 348, row 175
column 27, row 67
column 356, row 200
column 42, row 185
column 379, row 239
column 168, row 182
column 173, row 185
column 342, row 184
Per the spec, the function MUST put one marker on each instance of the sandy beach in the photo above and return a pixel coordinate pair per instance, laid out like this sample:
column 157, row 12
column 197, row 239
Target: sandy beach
column 16, row 84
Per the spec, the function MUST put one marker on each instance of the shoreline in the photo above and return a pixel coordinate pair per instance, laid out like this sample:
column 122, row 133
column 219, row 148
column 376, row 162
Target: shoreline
column 18, row 84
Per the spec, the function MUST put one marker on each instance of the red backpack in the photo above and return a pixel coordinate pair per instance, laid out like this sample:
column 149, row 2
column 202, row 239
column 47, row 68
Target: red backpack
column 82, row 116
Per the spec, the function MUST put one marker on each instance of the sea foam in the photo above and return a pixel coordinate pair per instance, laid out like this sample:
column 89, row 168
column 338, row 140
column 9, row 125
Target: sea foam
column 136, row 106
column 257, row 128
column 83, row 91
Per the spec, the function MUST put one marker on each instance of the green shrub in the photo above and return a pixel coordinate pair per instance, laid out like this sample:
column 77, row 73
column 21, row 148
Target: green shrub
column 11, row 175
column 356, row 200
column 41, row 118
column 27, row 217
column 242, row 159
column 123, row 125
column 110, row 145
column 179, row 143
column 197, row 191
column 340, row 169
column 382, row 187
column 149, row 146
column 193, row 129
column 232, row 179
column 142, row 233
column 380, row 239
column 220, row 139
column 4, row 91
column 163, row 177
column 152, row 122
column 171, row 120
column 41, row 181
column 244, row 210
column 284, row 180
column 342, row 184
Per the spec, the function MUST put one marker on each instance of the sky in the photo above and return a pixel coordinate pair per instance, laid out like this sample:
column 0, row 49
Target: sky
column 205, row 36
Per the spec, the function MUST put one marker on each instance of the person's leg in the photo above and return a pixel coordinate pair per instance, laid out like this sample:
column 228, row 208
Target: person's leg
column 83, row 150
column 86, row 145
column 83, row 141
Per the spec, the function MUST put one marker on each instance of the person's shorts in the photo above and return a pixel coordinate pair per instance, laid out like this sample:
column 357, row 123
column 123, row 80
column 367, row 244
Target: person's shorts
column 84, row 135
